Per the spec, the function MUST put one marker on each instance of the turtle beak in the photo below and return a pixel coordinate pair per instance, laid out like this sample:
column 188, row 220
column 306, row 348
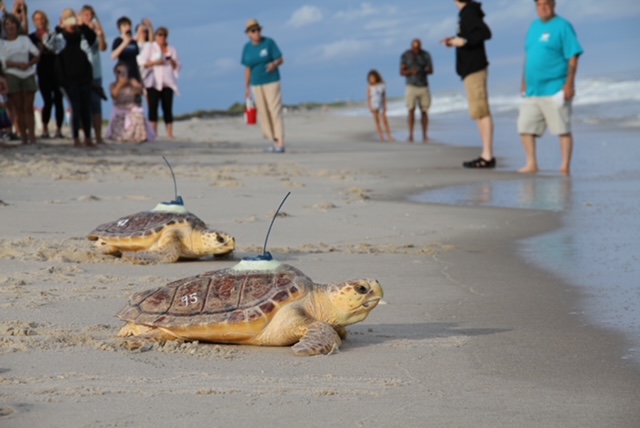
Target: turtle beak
column 371, row 303
column 374, row 296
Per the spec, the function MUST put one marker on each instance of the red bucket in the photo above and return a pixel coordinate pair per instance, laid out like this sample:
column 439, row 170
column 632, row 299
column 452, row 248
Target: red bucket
column 251, row 113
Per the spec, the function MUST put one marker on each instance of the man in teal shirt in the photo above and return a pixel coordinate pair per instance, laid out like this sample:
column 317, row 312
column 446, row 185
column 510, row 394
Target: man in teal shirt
column 548, row 84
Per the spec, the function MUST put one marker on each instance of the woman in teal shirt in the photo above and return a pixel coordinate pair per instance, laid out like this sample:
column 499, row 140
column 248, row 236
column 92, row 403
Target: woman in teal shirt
column 262, row 59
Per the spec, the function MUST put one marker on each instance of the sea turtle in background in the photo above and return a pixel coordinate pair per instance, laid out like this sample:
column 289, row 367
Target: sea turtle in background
column 256, row 302
column 165, row 234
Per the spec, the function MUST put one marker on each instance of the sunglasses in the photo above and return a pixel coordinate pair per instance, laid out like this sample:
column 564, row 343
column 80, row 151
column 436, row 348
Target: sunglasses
column 161, row 35
column 254, row 30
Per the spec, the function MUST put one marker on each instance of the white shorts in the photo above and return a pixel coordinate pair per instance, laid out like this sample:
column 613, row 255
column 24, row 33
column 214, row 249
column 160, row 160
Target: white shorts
column 538, row 113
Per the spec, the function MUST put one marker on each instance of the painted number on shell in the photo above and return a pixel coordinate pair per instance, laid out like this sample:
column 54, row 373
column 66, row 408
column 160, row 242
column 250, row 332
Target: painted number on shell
column 190, row 299
column 122, row 222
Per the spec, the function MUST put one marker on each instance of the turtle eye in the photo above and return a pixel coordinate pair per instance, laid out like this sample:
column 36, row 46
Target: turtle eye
column 220, row 239
column 361, row 289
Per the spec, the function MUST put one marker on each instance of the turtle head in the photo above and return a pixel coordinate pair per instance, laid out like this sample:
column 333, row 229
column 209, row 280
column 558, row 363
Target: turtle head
column 216, row 242
column 353, row 300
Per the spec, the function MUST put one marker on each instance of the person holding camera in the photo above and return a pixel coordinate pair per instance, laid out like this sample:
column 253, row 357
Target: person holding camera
column 75, row 74
column 127, row 124
column 89, row 18
column 125, row 48
column 162, row 82
column 44, row 38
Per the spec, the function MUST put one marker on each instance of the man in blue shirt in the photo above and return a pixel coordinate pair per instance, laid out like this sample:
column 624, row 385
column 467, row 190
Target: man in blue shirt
column 548, row 84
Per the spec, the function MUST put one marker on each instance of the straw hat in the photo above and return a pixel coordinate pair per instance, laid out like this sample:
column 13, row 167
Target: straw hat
column 251, row 24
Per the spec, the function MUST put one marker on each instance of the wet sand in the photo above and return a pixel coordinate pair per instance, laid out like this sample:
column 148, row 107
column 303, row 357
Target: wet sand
column 471, row 335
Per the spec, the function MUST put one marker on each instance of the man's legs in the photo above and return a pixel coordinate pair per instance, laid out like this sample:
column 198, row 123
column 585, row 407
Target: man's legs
column 566, row 148
column 411, row 120
column 529, row 145
column 485, row 126
column 478, row 98
column 425, row 125
column 425, row 103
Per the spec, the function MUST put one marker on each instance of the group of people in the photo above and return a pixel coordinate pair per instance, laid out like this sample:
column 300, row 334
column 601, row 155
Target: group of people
column 552, row 51
column 64, row 63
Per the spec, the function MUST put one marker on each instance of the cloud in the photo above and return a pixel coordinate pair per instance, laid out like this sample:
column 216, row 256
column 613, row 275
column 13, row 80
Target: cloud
column 344, row 48
column 306, row 15
column 365, row 10
column 221, row 67
column 344, row 51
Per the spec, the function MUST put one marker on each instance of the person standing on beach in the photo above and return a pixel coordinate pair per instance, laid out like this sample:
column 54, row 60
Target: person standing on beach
column 125, row 48
column 162, row 83
column 416, row 65
column 548, row 84
column 19, row 57
column 89, row 18
column 377, row 102
column 75, row 74
column 43, row 38
column 473, row 67
column 262, row 59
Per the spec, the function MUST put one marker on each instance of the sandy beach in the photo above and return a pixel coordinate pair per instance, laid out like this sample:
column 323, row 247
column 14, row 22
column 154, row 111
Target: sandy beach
column 471, row 336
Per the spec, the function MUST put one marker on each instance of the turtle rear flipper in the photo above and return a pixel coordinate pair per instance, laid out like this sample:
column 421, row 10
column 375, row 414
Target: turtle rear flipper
column 137, row 337
column 321, row 338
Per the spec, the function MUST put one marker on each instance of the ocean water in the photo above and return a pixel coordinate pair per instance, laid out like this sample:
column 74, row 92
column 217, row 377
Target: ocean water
column 598, row 248
column 598, row 100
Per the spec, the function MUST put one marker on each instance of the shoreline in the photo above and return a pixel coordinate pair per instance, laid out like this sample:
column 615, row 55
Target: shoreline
column 472, row 334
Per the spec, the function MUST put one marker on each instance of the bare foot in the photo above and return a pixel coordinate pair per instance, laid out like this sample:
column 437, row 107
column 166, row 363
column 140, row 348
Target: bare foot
column 527, row 169
column 410, row 140
column 391, row 139
column 565, row 171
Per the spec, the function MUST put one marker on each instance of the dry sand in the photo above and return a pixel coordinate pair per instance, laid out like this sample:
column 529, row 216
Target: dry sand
column 471, row 336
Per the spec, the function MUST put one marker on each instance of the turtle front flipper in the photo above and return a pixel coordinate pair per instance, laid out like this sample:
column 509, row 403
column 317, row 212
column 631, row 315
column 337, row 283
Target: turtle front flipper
column 320, row 338
column 169, row 254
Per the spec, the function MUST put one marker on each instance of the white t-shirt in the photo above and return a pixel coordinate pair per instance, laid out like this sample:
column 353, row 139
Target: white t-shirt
column 18, row 50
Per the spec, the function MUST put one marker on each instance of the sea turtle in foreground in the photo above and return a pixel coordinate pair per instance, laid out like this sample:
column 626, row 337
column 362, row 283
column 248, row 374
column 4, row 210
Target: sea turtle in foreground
column 167, row 233
column 255, row 302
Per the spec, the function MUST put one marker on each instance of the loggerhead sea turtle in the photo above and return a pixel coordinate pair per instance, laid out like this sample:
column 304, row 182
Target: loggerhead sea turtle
column 255, row 302
column 165, row 234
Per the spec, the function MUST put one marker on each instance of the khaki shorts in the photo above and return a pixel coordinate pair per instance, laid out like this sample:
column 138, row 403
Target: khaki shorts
column 538, row 113
column 418, row 95
column 477, row 96
column 16, row 84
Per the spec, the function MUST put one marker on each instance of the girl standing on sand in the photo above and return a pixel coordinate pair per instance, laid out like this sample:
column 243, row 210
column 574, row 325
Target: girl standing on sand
column 377, row 101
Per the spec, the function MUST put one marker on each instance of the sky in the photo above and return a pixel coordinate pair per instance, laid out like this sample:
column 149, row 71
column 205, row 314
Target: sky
column 329, row 46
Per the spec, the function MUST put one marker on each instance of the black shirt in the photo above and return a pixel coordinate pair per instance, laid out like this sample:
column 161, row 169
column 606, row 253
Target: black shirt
column 472, row 57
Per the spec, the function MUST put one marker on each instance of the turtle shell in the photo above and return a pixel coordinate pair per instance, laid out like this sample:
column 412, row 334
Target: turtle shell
column 144, row 223
column 227, row 296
